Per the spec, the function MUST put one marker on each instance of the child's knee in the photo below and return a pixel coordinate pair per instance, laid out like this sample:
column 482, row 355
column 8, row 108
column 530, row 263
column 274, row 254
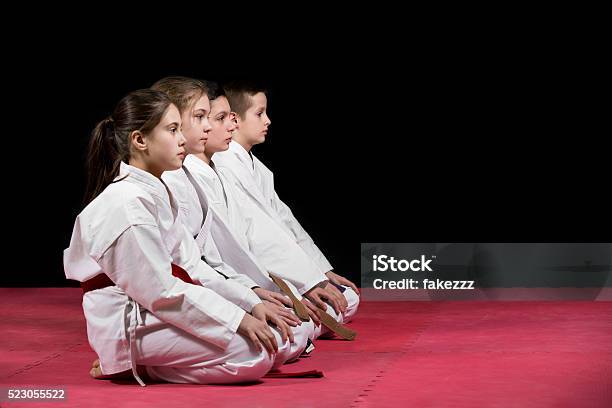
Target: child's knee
column 352, row 299
column 284, row 350
column 245, row 363
column 253, row 372
column 301, row 334
column 233, row 373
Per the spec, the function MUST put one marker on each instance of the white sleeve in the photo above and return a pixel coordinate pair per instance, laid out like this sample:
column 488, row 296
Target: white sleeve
column 274, row 248
column 303, row 239
column 188, row 257
column 213, row 258
column 139, row 264
column 278, row 252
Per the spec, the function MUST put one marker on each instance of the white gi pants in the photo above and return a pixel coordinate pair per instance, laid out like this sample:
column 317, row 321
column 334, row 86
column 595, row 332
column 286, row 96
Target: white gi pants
column 173, row 355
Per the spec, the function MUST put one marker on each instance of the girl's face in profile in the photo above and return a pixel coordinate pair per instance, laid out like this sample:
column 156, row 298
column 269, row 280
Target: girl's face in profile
column 165, row 144
column 196, row 126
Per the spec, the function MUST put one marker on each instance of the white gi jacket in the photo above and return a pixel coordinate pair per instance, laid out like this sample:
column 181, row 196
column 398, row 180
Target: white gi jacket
column 249, row 174
column 132, row 233
column 205, row 226
column 272, row 249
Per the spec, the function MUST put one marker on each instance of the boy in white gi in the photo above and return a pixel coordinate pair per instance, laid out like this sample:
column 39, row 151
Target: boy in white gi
column 256, row 181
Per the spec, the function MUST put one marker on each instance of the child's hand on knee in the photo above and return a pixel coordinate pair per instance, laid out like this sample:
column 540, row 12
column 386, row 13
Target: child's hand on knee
column 268, row 315
column 273, row 297
column 341, row 280
column 258, row 333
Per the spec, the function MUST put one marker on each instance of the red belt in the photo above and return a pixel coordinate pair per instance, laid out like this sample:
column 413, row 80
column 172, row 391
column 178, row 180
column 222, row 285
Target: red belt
column 102, row 280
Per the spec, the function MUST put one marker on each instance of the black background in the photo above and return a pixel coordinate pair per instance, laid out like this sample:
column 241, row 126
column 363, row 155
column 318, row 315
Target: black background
column 448, row 143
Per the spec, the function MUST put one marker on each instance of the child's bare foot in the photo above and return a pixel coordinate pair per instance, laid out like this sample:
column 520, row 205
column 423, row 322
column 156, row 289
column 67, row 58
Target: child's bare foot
column 96, row 371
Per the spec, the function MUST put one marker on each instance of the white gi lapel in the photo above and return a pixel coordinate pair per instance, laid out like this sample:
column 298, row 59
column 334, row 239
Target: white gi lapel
column 174, row 234
column 209, row 213
column 244, row 178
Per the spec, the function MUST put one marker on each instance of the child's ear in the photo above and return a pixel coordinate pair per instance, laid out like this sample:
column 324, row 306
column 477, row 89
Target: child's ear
column 234, row 118
column 137, row 140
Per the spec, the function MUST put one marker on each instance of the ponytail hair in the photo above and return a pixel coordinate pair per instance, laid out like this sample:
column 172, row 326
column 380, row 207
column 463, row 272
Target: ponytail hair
column 109, row 145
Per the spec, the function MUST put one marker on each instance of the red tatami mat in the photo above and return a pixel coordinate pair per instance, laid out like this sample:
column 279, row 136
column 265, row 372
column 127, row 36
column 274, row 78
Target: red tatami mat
column 420, row 354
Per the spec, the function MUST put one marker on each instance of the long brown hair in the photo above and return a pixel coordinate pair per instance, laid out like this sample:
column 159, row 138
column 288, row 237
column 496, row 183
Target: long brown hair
column 110, row 140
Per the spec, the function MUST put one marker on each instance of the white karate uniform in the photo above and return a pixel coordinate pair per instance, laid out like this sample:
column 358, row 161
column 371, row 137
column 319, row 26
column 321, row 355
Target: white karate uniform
column 207, row 227
column 181, row 332
column 200, row 221
column 272, row 249
column 256, row 181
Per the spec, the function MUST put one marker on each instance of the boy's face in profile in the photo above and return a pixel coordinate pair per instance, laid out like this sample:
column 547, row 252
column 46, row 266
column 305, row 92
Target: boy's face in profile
column 221, row 124
column 253, row 128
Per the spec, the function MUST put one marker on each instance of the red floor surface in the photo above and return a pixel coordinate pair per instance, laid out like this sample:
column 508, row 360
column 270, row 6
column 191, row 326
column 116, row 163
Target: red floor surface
column 420, row 354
